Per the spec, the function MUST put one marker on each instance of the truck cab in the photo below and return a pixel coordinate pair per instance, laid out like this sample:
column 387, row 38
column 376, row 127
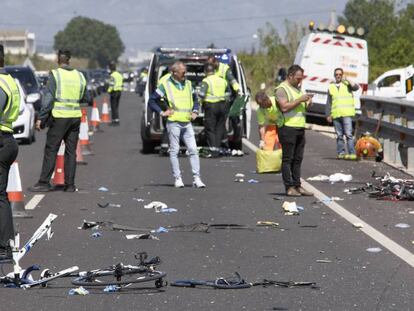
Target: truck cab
column 396, row 83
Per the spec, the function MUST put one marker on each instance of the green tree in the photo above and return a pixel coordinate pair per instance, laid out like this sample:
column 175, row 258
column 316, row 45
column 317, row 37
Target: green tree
column 91, row 39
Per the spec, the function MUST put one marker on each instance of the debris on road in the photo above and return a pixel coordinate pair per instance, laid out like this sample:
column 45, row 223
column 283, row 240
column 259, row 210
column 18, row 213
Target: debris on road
column 318, row 178
column 157, row 205
column 103, row 189
column 96, row 235
column 109, row 225
column 138, row 199
column 402, row 226
column 337, row 177
column 358, row 225
column 253, row 181
column 145, row 236
column 324, row 261
column 111, row 289
column 78, row 291
column 290, row 208
column 374, row 249
column 105, row 205
column 263, row 223
column 239, row 177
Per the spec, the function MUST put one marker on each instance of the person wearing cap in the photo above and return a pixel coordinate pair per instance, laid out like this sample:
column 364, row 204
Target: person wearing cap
column 114, row 90
column 65, row 90
column 340, row 109
column 213, row 94
column 9, row 112
column 182, row 108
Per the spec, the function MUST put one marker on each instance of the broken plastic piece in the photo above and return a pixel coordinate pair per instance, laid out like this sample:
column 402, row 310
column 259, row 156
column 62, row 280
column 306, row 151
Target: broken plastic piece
column 358, row 225
column 156, row 205
column 323, row 261
column 374, row 249
column 318, row 178
column 402, row 226
column 145, row 236
column 103, row 189
column 138, row 199
column 253, row 181
column 108, row 205
column 78, row 291
column 111, row 289
column 267, row 223
column 160, row 230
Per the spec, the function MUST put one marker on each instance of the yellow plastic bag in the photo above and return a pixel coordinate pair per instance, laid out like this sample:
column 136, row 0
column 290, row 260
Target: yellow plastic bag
column 268, row 161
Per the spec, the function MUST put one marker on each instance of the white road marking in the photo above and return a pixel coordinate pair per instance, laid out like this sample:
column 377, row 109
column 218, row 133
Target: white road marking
column 373, row 233
column 34, row 201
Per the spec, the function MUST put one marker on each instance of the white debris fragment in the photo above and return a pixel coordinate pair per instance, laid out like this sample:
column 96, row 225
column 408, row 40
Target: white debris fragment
column 358, row 225
column 157, row 205
column 318, row 178
column 339, row 177
column 290, row 208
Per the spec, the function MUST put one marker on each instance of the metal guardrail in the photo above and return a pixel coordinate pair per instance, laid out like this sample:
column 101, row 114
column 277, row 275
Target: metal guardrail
column 391, row 120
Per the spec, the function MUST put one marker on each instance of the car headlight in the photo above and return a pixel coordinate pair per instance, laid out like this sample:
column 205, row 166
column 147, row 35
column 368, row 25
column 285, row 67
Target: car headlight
column 32, row 98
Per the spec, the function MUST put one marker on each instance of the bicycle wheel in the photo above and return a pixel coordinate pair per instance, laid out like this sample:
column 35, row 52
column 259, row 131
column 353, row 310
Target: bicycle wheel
column 120, row 276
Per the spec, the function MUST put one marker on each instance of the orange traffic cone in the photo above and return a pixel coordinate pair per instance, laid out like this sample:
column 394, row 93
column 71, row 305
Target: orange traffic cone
column 59, row 174
column 95, row 119
column 84, row 135
column 15, row 194
column 79, row 155
column 105, row 113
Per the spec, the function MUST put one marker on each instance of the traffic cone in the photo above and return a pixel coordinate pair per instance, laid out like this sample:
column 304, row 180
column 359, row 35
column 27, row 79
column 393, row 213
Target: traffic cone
column 95, row 119
column 84, row 135
column 105, row 113
column 15, row 194
column 79, row 155
column 59, row 174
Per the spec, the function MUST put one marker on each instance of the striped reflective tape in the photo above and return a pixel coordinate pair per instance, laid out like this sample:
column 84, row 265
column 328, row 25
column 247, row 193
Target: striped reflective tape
column 338, row 43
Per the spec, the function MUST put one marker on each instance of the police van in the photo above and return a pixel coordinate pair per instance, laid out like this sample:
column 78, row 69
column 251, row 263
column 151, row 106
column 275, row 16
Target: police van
column 323, row 50
column 396, row 83
column 195, row 59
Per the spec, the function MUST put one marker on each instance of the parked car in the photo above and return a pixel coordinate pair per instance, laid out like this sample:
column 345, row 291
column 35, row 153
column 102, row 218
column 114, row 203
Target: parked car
column 24, row 127
column 195, row 60
column 28, row 80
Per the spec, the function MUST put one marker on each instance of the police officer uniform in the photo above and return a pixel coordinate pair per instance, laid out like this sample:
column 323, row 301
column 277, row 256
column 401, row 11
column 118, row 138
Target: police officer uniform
column 9, row 111
column 213, row 93
column 114, row 91
column 62, row 113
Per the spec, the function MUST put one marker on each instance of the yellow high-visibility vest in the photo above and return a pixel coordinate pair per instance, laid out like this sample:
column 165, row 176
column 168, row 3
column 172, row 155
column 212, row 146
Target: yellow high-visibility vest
column 216, row 91
column 179, row 100
column 118, row 82
column 11, row 110
column 70, row 88
column 295, row 117
column 343, row 104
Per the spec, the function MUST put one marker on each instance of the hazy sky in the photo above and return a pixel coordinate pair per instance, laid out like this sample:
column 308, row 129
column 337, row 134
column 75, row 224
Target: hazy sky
column 144, row 24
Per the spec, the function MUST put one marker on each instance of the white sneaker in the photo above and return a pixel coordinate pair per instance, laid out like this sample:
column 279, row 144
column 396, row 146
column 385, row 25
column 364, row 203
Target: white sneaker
column 198, row 183
column 240, row 153
column 234, row 152
column 178, row 183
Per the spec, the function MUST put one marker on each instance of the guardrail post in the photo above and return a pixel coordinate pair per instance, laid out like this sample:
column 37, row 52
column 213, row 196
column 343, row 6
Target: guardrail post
column 398, row 160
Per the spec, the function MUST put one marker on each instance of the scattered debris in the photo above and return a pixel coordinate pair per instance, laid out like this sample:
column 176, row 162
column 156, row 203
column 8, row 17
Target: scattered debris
column 411, row 212
column 253, row 181
column 290, row 208
column 263, row 223
column 103, row 189
column 402, row 226
column 323, row 261
column 109, row 225
column 358, row 225
column 145, row 236
column 374, row 249
column 239, row 177
column 111, row 289
column 78, row 291
column 96, row 235
column 318, row 178
column 138, row 199
column 331, row 199
column 158, row 206
column 337, row 177
column 108, row 205
column 160, row 230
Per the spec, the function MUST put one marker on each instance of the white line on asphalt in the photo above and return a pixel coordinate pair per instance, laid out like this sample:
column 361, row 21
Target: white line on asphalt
column 382, row 239
column 34, row 201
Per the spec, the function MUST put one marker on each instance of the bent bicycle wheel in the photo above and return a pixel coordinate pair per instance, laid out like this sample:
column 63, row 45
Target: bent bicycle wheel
column 120, row 277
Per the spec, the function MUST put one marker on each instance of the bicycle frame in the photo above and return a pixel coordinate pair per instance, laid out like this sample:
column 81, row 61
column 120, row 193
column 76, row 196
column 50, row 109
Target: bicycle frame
column 18, row 253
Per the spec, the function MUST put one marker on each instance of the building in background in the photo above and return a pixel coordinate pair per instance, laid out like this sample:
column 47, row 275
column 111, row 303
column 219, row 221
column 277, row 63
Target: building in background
column 18, row 42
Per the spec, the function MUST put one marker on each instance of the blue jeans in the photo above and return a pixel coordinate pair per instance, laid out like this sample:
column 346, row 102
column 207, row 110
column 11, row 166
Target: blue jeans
column 184, row 131
column 343, row 126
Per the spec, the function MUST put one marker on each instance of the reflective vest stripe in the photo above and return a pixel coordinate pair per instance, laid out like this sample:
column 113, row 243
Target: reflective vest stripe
column 296, row 116
column 342, row 101
column 172, row 101
column 216, row 91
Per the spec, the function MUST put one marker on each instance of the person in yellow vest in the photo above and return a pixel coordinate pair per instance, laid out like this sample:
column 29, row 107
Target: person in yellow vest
column 293, row 104
column 340, row 109
column 269, row 119
column 182, row 109
column 9, row 111
column 62, row 113
column 114, row 90
column 213, row 94
column 224, row 71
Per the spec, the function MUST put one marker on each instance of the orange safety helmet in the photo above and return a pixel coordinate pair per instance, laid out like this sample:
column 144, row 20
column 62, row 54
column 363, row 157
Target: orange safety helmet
column 368, row 147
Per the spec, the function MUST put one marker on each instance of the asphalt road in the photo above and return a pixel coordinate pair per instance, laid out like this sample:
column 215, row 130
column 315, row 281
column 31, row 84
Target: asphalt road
column 317, row 246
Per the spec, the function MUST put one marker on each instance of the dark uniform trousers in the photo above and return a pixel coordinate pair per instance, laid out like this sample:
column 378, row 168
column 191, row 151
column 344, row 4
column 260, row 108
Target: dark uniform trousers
column 8, row 153
column 293, row 145
column 66, row 129
column 115, row 97
column 215, row 115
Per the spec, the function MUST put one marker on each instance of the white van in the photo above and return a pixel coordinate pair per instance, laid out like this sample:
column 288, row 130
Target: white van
column 396, row 83
column 319, row 53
